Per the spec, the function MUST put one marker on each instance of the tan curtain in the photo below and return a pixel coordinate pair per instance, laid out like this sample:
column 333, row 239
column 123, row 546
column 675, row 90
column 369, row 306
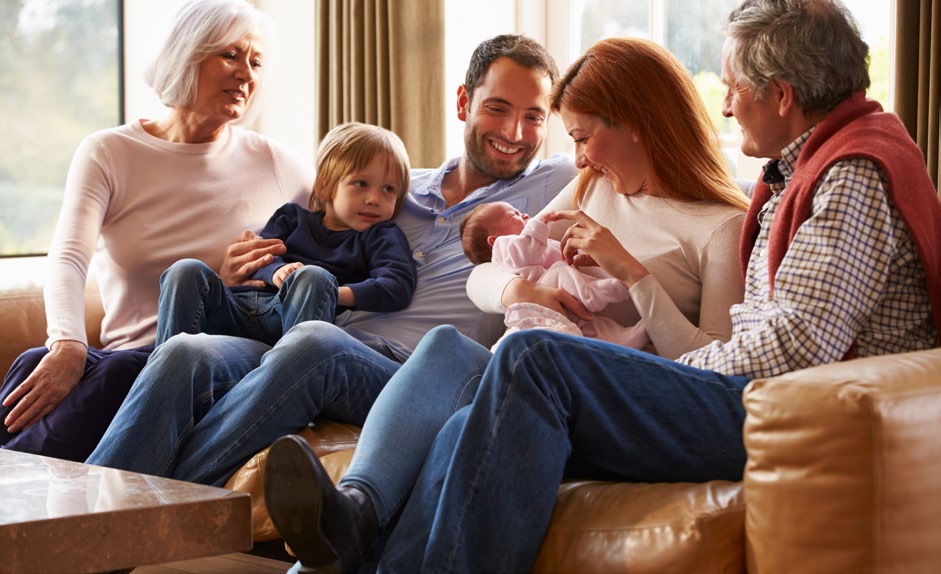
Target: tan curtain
column 382, row 62
column 918, row 76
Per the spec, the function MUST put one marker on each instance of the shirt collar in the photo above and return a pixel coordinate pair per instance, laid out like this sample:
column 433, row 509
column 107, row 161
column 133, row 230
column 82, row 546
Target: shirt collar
column 434, row 184
column 789, row 157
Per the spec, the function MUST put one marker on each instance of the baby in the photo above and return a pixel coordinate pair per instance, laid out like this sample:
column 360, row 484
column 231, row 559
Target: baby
column 498, row 232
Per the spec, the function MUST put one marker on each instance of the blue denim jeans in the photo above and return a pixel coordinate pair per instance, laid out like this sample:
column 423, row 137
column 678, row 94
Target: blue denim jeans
column 549, row 406
column 204, row 404
column 193, row 300
column 440, row 377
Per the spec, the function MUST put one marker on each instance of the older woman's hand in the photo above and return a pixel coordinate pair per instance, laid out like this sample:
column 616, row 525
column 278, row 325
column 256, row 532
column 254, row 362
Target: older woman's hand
column 588, row 243
column 54, row 377
column 247, row 254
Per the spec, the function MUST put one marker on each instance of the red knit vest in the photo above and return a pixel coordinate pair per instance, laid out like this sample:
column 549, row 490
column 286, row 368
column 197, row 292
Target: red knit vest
column 857, row 128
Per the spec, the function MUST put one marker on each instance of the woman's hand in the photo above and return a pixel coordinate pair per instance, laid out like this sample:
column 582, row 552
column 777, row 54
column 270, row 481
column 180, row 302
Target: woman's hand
column 284, row 272
column 520, row 290
column 247, row 254
column 587, row 243
column 54, row 377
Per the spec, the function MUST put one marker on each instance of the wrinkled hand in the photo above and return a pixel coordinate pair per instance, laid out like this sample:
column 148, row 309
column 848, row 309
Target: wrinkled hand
column 284, row 272
column 520, row 290
column 588, row 243
column 247, row 254
column 54, row 377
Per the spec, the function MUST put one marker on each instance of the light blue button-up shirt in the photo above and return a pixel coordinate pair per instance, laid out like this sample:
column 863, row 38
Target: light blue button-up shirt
column 434, row 236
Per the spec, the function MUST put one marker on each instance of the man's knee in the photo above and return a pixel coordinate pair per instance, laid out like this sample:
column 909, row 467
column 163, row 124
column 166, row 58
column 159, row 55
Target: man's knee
column 526, row 340
column 187, row 349
column 315, row 334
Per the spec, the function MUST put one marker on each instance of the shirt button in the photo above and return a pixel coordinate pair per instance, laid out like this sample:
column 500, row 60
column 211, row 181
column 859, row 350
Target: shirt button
column 441, row 220
column 763, row 252
column 419, row 254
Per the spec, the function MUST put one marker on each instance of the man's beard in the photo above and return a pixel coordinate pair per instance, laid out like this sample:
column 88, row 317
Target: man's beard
column 478, row 155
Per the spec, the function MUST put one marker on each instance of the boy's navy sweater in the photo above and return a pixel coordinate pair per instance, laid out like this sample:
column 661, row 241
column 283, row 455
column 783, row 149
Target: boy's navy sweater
column 376, row 263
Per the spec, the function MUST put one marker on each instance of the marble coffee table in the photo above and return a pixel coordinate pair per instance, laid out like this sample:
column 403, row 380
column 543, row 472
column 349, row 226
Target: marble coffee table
column 61, row 516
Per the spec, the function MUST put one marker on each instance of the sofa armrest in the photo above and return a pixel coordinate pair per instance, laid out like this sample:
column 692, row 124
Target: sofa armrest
column 843, row 467
column 23, row 321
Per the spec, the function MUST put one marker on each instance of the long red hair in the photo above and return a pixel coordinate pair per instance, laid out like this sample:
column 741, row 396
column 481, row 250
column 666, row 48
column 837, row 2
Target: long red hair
column 637, row 83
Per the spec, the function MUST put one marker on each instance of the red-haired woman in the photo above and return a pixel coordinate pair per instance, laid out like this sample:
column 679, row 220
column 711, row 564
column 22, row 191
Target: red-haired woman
column 653, row 206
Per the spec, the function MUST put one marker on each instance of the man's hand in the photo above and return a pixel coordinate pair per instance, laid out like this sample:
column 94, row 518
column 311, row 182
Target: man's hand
column 247, row 254
column 520, row 290
column 284, row 272
column 55, row 376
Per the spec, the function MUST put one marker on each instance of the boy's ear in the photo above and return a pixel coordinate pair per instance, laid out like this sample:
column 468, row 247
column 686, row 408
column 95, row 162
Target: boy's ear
column 491, row 239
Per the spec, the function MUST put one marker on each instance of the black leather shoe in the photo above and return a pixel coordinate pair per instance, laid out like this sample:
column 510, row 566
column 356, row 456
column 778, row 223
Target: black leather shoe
column 328, row 529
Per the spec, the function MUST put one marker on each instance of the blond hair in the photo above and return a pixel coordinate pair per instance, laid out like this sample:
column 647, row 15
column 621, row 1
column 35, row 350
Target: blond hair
column 350, row 147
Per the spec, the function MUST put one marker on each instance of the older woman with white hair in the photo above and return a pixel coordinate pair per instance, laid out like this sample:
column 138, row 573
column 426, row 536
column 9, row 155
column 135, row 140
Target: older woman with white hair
column 153, row 192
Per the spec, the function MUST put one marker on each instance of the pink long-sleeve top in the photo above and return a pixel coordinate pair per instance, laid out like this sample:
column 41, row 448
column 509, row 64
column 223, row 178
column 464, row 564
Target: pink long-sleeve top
column 139, row 203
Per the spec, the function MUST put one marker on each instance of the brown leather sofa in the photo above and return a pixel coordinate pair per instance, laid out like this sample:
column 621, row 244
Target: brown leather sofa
column 844, row 475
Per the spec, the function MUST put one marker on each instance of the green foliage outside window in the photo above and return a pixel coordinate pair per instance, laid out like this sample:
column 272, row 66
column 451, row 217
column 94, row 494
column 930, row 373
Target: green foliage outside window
column 59, row 81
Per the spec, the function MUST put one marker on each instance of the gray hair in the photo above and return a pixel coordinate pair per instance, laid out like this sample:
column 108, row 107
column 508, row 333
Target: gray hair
column 200, row 28
column 814, row 45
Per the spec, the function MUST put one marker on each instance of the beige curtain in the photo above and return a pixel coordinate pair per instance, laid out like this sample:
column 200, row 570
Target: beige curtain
column 382, row 62
column 918, row 76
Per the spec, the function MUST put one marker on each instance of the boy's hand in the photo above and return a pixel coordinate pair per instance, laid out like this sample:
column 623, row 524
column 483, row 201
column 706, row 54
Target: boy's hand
column 284, row 272
column 246, row 255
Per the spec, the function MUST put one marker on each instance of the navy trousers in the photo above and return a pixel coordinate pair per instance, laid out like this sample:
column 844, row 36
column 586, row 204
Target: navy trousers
column 72, row 430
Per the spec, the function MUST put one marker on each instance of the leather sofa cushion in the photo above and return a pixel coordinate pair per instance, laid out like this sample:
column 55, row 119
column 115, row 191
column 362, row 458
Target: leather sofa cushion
column 646, row 528
column 324, row 437
column 596, row 526
column 23, row 321
column 844, row 467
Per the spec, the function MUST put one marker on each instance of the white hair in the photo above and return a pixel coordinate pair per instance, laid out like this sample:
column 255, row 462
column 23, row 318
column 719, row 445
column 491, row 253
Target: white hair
column 200, row 28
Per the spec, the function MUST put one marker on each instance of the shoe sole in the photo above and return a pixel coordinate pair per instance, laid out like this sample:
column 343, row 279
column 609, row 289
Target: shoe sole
column 295, row 502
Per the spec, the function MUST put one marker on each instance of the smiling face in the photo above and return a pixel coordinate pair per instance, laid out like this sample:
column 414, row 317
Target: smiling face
column 364, row 197
column 228, row 78
column 763, row 133
column 505, row 122
column 612, row 150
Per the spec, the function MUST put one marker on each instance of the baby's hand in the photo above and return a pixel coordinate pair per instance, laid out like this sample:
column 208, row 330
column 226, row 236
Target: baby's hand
column 284, row 272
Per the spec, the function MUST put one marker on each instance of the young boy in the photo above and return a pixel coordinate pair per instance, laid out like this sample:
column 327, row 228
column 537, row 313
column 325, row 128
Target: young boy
column 344, row 253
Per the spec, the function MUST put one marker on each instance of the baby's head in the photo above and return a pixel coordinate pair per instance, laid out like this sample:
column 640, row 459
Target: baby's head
column 484, row 224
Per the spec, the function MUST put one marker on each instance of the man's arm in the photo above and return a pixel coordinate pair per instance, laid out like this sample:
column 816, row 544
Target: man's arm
column 826, row 287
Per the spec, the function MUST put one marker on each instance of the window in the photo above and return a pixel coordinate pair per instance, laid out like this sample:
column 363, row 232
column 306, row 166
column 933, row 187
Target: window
column 691, row 30
column 59, row 81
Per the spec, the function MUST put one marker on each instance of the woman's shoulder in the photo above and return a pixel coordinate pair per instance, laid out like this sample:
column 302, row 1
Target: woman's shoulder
column 109, row 143
column 280, row 151
column 116, row 133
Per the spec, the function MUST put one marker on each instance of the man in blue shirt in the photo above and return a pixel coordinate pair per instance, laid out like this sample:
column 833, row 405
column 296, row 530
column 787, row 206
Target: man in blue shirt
column 206, row 403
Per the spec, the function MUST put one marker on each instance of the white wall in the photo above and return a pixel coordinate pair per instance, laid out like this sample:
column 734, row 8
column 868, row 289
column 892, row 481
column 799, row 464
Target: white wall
column 469, row 23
